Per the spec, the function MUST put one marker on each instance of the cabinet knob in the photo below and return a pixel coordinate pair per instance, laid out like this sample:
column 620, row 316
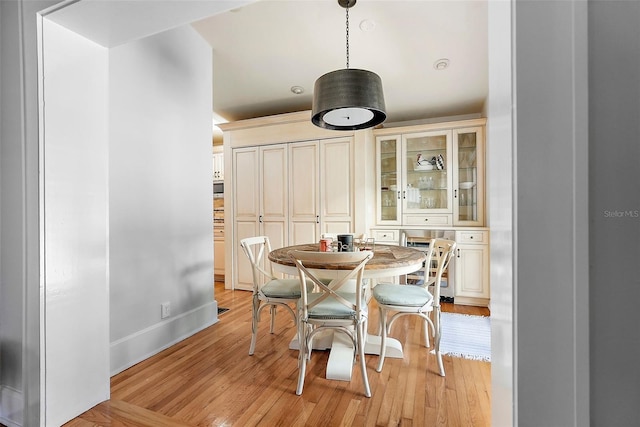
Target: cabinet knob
column 471, row 237
column 426, row 219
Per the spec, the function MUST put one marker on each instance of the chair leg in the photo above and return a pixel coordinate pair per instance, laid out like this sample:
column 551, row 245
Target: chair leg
column 383, row 338
column 310, row 343
column 254, row 324
column 426, row 334
column 302, row 357
column 438, row 334
column 363, row 362
column 273, row 318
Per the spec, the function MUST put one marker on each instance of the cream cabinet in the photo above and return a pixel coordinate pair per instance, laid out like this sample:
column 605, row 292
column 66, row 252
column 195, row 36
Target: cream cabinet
column 261, row 202
column 218, row 251
column 321, row 189
column 289, row 180
column 218, row 163
column 471, row 268
column 431, row 175
column 468, row 176
column 291, row 193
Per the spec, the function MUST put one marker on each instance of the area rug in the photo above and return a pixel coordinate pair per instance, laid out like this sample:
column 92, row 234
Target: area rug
column 466, row 336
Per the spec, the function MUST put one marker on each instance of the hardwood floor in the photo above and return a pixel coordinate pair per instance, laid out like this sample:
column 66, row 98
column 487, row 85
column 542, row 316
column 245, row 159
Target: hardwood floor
column 210, row 380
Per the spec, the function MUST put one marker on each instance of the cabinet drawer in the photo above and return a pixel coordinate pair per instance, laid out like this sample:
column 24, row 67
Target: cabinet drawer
column 385, row 236
column 472, row 237
column 427, row 220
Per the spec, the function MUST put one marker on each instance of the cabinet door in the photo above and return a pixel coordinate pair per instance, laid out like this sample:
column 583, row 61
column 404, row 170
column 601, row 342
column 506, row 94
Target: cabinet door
column 246, row 166
column 245, row 184
column 388, row 180
column 468, row 160
column 426, row 163
column 472, row 274
column 260, row 203
column 218, row 257
column 304, row 215
column 274, row 194
column 336, row 186
column 218, row 166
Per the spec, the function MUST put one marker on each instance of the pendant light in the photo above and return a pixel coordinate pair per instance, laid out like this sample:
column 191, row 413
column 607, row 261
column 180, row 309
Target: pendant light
column 348, row 99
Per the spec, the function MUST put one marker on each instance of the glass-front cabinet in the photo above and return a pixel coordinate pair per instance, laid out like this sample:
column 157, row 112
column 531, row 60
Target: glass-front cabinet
column 427, row 182
column 389, row 183
column 469, row 176
column 431, row 178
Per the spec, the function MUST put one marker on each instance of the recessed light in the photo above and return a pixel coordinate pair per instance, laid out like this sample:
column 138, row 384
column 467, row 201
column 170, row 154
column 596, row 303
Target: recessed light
column 368, row 25
column 441, row 64
column 298, row 90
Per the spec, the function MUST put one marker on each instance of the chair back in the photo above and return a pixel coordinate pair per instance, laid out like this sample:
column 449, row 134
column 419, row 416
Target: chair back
column 256, row 248
column 438, row 257
column 347, row 267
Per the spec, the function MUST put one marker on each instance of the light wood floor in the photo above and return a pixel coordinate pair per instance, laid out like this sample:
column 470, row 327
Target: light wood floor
column 210, row 380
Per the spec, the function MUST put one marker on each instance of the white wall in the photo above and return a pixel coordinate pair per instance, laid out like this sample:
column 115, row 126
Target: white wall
column 23, row 400
column 501, row 185
column 20, row 320
column 127, row 141
column 75, row 180
column 161, row 235
column 11, row 224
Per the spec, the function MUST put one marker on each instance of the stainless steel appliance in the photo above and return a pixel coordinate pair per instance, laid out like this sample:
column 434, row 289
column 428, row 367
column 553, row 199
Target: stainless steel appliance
column 420, row 239
column 218, row 189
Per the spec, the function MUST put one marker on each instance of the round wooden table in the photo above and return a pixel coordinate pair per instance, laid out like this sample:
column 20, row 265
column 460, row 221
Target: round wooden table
column 387, row 261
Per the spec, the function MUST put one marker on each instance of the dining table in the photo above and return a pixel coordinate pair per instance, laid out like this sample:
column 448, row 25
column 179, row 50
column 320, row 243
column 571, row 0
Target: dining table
column 388, row 261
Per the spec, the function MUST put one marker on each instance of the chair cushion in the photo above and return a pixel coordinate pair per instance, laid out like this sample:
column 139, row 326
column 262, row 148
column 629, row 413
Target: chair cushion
column 405, row 295
column 330, row 308
column 283, row 288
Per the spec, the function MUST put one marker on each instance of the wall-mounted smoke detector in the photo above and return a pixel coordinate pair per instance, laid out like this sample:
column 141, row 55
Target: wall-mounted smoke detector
column 367, row 25
column 441, row 64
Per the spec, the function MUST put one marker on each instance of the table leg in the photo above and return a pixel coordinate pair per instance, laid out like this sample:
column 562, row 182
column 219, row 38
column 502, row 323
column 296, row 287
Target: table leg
column 340, row 363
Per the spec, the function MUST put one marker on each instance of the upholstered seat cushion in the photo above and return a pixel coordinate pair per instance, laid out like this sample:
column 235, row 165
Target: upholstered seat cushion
column 331, row 308
column 284, row 288
column 405, row 295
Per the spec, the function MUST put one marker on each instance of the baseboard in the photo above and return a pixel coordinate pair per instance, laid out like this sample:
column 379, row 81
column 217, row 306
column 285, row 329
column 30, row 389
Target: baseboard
column 143, row 344
column 11, row 407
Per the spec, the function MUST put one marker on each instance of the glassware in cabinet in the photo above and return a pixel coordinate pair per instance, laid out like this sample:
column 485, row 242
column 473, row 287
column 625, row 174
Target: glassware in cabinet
column 469, row 176
column 426, row 165
column 388, row 179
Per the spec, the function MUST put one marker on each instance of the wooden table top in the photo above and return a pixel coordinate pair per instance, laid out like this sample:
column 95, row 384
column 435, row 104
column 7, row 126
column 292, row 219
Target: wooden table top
column 385, row 257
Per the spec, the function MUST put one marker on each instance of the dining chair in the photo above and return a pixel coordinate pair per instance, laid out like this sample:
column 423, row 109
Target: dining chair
column 416, row 299
column 338, row 305
column 268, row 290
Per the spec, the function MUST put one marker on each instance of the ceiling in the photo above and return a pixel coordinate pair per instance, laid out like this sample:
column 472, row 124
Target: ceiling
column 262, row 49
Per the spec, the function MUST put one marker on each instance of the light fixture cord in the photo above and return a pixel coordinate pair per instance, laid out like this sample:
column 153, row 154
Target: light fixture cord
column 347, row 37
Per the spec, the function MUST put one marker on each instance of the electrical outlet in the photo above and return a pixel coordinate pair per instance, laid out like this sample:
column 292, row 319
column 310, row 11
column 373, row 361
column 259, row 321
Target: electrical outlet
column 165, row 310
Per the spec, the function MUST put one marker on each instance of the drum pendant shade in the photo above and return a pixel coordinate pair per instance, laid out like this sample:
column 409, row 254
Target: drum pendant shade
column 348, row 99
